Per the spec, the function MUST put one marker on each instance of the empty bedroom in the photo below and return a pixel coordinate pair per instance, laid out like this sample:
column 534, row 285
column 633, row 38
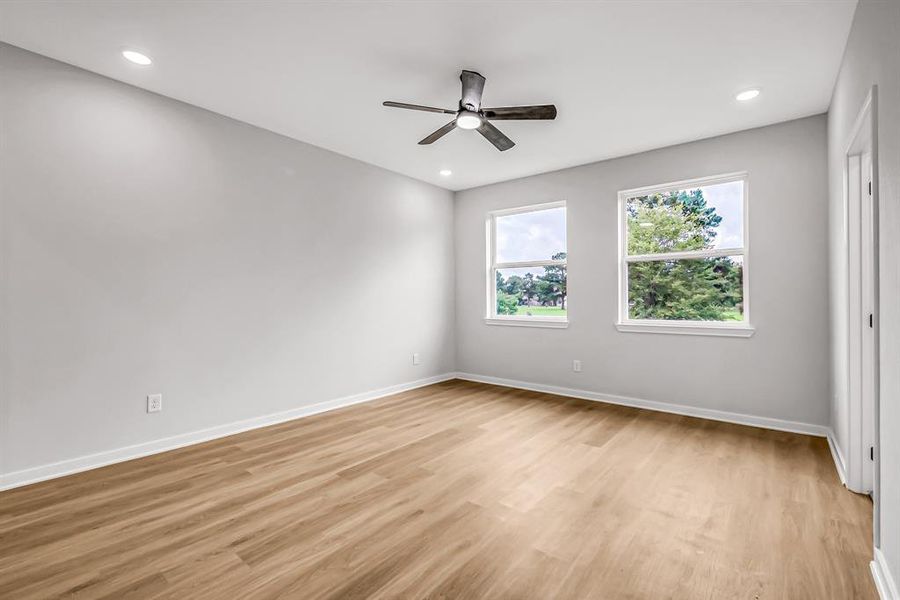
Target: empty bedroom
column 448, row 299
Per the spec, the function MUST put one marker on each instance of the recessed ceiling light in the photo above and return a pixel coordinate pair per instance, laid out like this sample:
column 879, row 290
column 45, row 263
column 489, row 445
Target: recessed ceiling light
column 446, row 172
column 747, row 95
column 136, row 57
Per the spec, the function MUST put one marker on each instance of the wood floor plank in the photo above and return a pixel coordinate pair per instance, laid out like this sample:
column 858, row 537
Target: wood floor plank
column 456, row 490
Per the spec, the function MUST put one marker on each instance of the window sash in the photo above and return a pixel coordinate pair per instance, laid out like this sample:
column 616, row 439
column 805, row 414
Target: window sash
column 529, row 263
column 685, row 254
column 492, row 311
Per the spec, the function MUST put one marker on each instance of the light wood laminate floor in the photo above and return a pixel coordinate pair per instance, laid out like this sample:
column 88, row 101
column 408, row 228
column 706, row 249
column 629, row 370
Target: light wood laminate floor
column 457, row 490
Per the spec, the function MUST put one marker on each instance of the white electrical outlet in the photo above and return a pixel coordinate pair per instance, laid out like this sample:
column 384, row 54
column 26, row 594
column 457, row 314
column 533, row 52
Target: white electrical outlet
column 576, row 366
column 154, row 403
column 417, row 360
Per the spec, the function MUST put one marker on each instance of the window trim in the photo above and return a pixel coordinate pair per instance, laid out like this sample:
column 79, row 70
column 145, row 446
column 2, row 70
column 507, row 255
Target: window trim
column 626, row 324
column 491, row 316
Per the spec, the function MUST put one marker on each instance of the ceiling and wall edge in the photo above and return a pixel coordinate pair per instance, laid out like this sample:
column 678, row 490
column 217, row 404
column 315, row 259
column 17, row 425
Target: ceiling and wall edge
column 431, row 183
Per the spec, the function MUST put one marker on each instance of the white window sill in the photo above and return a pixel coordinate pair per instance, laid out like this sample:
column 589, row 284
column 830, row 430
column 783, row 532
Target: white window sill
column 711, row 329
column 528, row 322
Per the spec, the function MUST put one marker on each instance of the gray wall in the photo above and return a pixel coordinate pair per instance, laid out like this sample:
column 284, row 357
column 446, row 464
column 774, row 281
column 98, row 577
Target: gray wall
column 781, row 372
column 151, row 246
column 872, row 57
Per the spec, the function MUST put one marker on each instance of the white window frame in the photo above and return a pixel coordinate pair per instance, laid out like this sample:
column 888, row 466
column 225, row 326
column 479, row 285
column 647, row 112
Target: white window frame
column 713, row 328
column 491, row 316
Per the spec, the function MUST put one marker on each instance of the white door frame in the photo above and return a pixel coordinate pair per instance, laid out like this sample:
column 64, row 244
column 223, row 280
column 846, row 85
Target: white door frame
column 861, row 238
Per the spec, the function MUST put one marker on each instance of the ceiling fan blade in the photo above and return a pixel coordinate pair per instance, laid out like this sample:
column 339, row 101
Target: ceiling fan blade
column 439, row 133
column 472, row 88
column 543, row 111
column 419, row 107
column 495, row 136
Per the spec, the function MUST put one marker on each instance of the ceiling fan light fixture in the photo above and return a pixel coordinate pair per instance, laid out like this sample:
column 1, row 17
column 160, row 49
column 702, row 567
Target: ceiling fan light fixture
column 468, row 120
column 472, row 116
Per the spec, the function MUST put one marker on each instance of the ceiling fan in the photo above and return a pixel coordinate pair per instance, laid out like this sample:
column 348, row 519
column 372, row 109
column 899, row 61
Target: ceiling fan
column 471, row 115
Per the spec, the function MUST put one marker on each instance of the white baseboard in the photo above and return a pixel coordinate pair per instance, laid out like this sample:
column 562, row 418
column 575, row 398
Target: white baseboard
column 678, row 409
column 884, row 581
column 100, row 459
column 838, row 457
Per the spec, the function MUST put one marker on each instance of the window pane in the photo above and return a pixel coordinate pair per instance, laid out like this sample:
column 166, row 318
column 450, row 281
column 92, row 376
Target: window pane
column 537, row 235
column 703, row 218
column 531, row 291
column 705, row 289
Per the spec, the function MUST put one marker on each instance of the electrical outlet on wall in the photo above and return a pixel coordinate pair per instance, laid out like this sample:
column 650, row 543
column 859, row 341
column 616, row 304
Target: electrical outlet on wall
column 417, row 360
column 154, row 403
column 576, row 366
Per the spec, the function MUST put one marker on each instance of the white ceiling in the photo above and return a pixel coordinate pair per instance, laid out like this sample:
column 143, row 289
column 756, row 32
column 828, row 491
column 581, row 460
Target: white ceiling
column 625, row 76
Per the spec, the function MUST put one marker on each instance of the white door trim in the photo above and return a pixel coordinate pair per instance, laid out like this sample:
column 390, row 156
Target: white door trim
column 861, row 242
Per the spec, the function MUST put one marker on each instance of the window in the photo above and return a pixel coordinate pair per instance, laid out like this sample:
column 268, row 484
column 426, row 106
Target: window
column 683, row 266
column 527, row 266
